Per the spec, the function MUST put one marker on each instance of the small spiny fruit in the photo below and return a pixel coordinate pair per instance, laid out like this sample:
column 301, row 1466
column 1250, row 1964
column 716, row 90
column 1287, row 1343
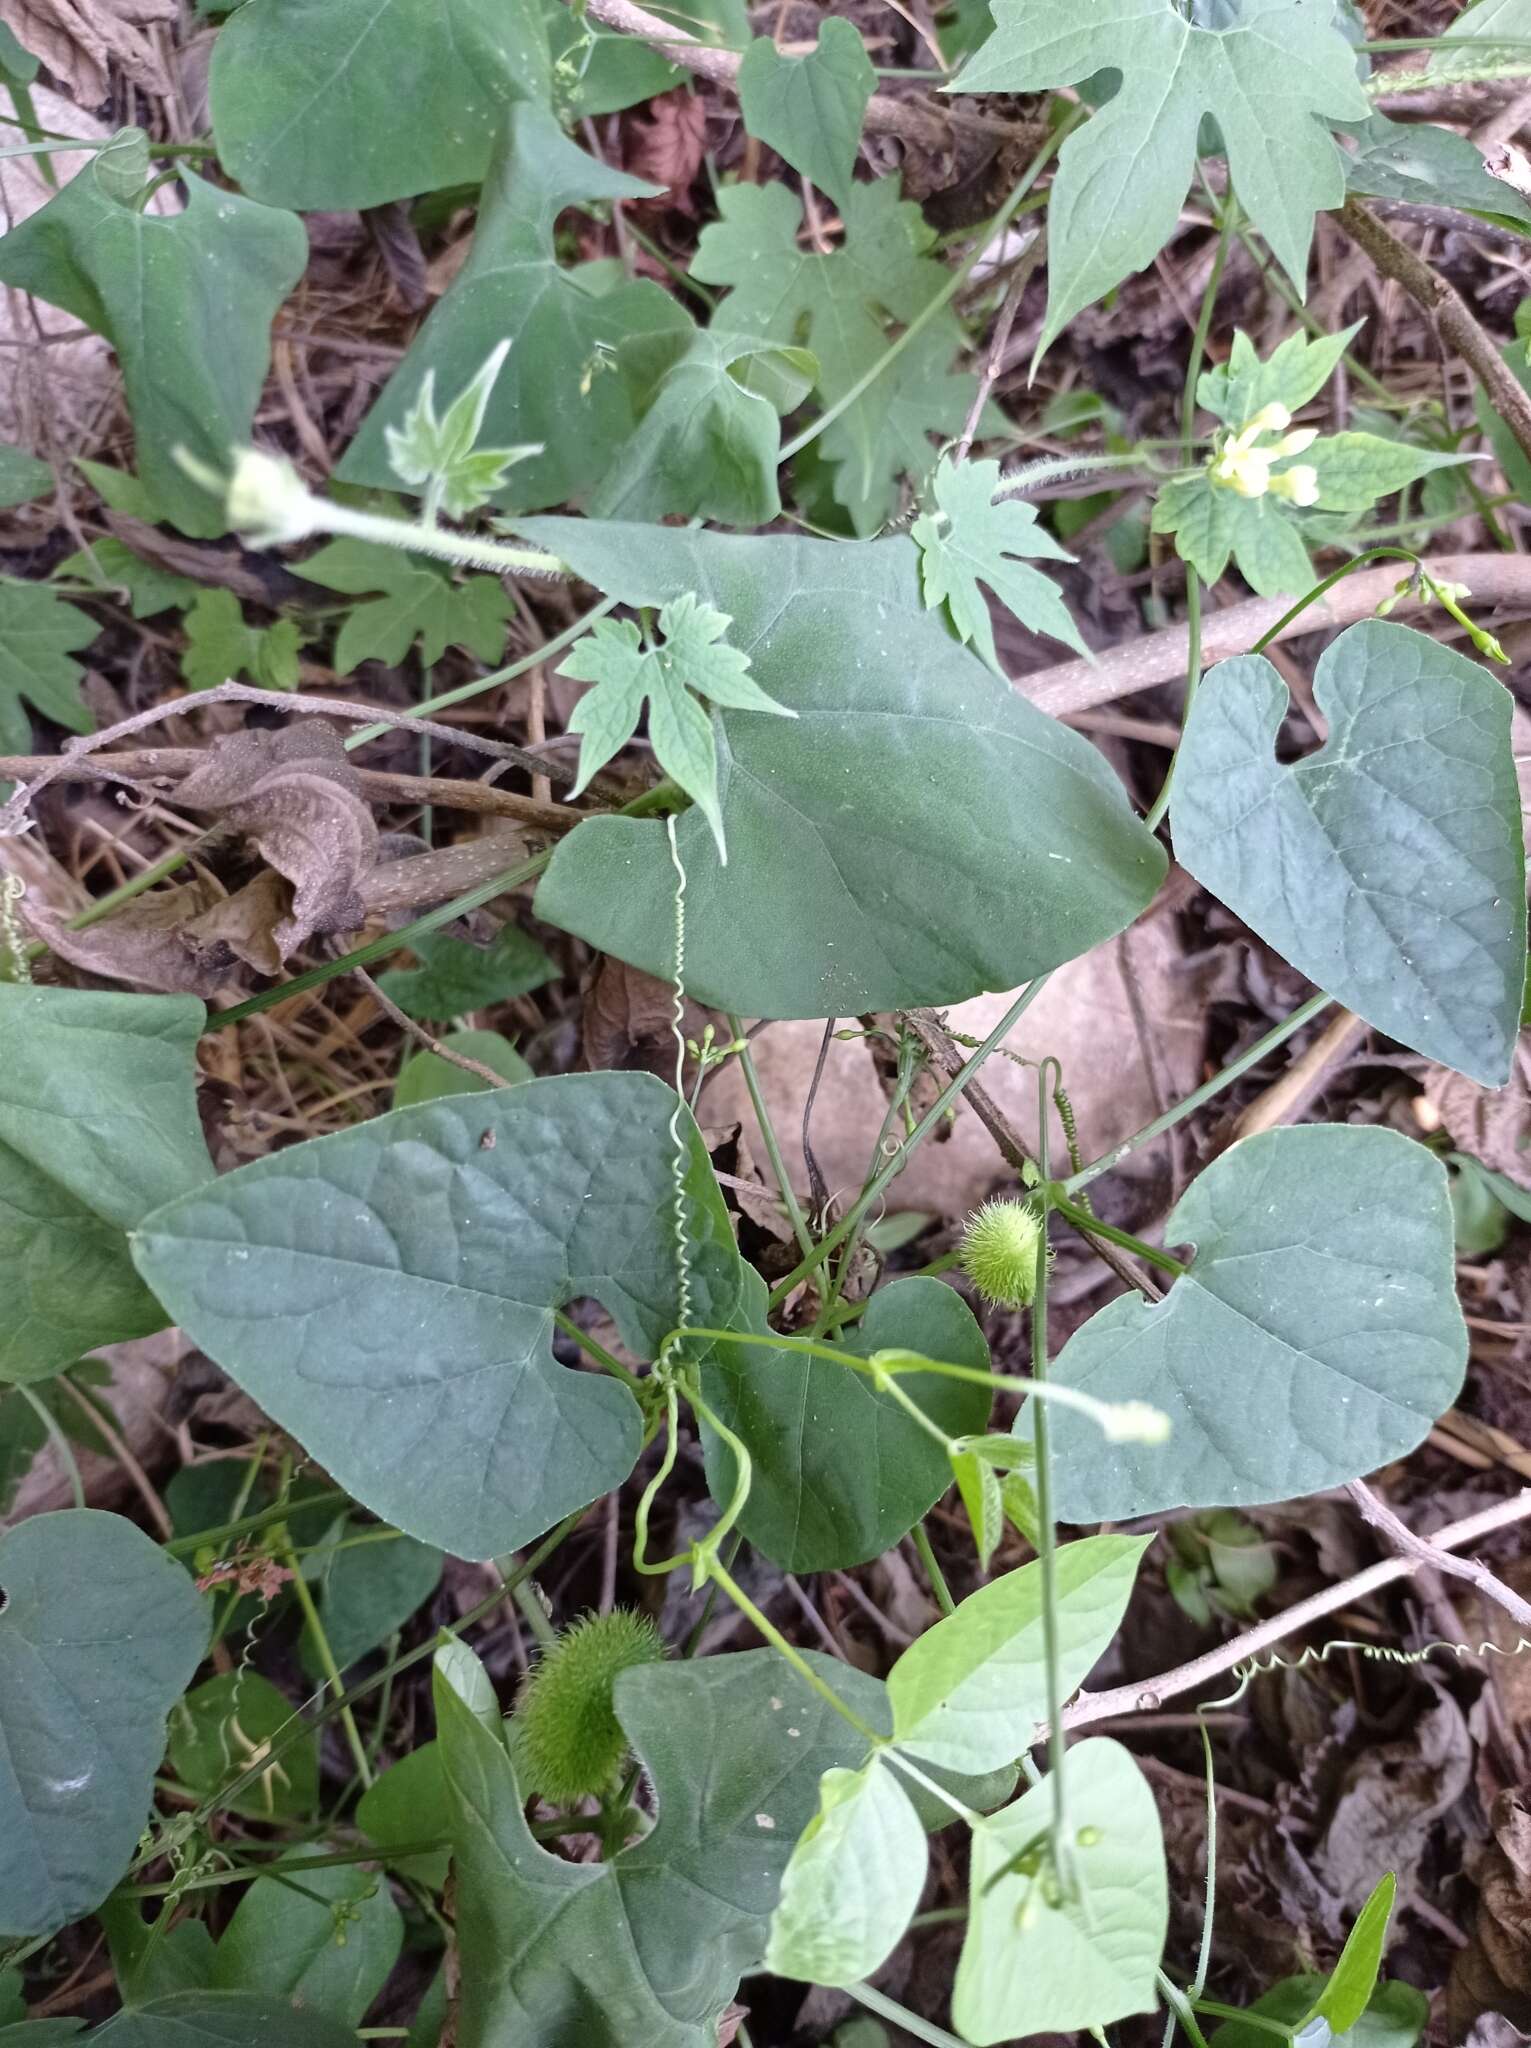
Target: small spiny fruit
column 570, row 1744
column 1001, row 1245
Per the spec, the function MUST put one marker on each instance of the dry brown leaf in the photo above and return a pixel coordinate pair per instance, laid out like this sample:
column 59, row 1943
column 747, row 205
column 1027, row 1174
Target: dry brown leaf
column 86, row 44
column 186, row 940
column 668, row 148
column 1082, row 1016
column 1492, row 1976
column 296, row 795
column 1493, row 1124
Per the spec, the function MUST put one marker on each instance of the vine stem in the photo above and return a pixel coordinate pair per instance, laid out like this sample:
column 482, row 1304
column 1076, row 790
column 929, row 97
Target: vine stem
column 768, row 1134
column 719, row 1573
column 59, row 1441
column 916, row 1137
column 326, row 1656
column 1277, row 1036
column 1042, row 1478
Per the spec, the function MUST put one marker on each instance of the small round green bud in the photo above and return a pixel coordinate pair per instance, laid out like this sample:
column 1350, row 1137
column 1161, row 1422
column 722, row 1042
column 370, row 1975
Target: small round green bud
column 1088, row 1838
column 569, row 1742
column 1001, row 1245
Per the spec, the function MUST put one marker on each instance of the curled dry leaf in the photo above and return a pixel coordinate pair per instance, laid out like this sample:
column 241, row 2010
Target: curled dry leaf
column 186, row 940
column 1492, row 1975
column 668, row 148
column 87, row 43
column 296, row 795
column 1493, row 1124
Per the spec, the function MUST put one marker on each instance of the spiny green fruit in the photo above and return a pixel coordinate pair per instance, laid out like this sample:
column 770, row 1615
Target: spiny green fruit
column 570, row 1744
column 1001, row 1244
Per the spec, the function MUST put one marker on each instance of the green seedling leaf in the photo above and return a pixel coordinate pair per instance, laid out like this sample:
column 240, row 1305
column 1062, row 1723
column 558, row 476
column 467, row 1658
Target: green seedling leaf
column 649, row 1945
column 1315, row 1337
column 1291, row 375
column 38, row 635
column 558, row 388
column 454, row 977
column 414, row 603
column 1273, row 74
column 970, row 540
column 98, row 1125
column 151, row 1958
column 844, row 306
column 1348, row 1992
column 150, row 589
column 1396, row 2017
column 1039, row 1958
column 306, row 101
column 221, row 646
column 1389, row 865
column 443, row 453
column 387, row 1294
column 854, row 1880
column 325, row 1948
column 1428, row 166
column 226, row 1725
column 408, row 1804
column 694, row 660
column 810, row 109
column 708, row 438
column 99, row 1635
column 831, row 904
column 366, row 1593
column 17, row 65
column 970, row 1692
column 839, row 1471
column 22, row 477
column 983, row 1498
column 426, row 1076
column 185, row 299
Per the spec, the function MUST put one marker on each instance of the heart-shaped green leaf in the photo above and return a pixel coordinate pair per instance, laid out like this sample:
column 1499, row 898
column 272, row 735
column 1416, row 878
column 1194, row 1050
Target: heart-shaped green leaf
column 98, row 1125
column 1389, row 866
column 558, row 388
column 99, row 1634
column 839, row 1472
column 649, row 1945
column 186, row 300
column 854, row 1880
column 282, row 1941
column 306, row 101
column 387, row 1294
column 1038, row 1958
column 862, row 873
column 969, row 1693
column 1316, row 1335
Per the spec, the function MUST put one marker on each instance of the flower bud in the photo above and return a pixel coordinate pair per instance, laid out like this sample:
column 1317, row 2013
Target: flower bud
column 267, row 501
column 1298, row 486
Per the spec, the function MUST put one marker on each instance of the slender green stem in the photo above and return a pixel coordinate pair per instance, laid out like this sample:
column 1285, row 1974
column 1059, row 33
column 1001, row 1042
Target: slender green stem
column 1042, row 1479
column 1260, row 1050
column 1086, row 1221
column 933, row 1570
column 534, row 1614
column 773, row 1147
column 247, row 1525
column 281, row 1867
column 466, row 691
column 57, row 1438
column 982, row 241
column 890, row 2010
column 417, row 537
column 598, row 1352
column 1180, row 2005
column 1215, row 2010
column 330, row 1668
column 916, row 1137
column 719, row 1573
column 1199, row 338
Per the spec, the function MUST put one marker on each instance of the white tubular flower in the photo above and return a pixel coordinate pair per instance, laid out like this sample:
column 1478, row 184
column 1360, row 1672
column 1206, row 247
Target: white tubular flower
column 267, row 502
column 1243, row 469
column 1299, row 485
column 1297, row 443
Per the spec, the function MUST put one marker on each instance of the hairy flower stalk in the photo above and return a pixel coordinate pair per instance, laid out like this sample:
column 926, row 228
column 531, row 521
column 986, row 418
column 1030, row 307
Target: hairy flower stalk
column 269, row 505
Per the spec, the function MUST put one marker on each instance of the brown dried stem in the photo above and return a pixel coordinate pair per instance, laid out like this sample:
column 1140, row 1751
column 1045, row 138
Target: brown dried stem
column 1376, row 1511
